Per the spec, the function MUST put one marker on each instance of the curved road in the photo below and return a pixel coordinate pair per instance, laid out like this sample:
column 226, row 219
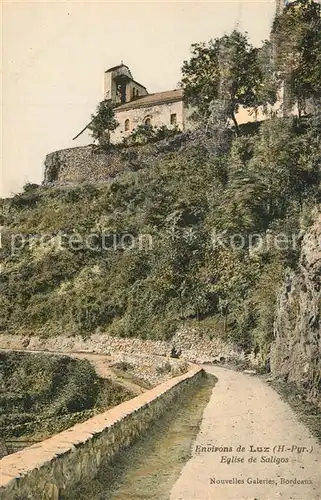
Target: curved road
column 244, row 411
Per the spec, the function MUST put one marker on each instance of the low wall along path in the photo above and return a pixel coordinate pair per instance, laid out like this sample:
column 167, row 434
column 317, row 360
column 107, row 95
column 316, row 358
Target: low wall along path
column 43, row 470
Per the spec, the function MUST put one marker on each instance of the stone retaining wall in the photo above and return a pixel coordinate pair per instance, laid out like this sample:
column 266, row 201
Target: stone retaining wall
column 189, row 345
column 94, row 164
column 83, row 164
column 44, row 470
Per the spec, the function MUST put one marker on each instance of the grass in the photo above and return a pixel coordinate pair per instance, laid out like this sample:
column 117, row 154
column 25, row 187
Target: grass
column 45, row 394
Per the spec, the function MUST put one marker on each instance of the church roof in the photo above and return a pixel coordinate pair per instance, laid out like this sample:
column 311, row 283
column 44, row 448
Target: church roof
column 137, row 83
column 152, row 99
column 113, row 68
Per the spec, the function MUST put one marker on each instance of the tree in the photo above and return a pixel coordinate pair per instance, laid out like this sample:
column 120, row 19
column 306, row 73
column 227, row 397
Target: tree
column 29, row 186
column 274, row 168
column 103, row 122
column 296, row 36
column 225, row 68
column 268, row 92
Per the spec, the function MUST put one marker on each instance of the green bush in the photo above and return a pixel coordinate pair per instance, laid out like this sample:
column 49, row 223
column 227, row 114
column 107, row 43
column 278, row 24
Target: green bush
column 144, row 134
column 44, row 394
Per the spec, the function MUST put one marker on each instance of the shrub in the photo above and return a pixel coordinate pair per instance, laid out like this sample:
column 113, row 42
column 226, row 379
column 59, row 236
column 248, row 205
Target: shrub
column 124, row 366
column 146, row 133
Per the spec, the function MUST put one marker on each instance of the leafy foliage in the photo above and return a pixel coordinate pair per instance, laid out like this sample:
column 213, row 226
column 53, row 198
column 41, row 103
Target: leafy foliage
column 195, row 237
column 225, row 68
column 296, row 36
column 42, row 394
column 103, row 122
column 231, row 70
column 147, row 133
column 171, row 269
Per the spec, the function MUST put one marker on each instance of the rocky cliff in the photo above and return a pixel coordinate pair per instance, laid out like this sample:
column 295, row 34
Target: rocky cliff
column 296, row 351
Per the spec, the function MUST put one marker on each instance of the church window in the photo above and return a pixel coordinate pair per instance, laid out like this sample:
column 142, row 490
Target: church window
column 127, row 125
column 173, row 119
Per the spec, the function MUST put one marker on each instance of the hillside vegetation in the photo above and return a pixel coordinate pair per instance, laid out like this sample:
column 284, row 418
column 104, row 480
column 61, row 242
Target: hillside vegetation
column 204, row 230
column 200, row 246
column 45, row 394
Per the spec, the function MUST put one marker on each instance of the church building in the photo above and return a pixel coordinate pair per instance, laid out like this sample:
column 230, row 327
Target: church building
column 135, row 106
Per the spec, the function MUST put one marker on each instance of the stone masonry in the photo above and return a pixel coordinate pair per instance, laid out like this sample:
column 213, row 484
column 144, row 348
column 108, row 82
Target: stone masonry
column 44, row 470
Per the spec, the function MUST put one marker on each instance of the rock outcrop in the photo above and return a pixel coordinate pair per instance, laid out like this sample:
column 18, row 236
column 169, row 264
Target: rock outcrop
column 296, row 351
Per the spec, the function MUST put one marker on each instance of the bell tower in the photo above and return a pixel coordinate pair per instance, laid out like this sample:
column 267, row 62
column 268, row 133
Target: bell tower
column 115, row 83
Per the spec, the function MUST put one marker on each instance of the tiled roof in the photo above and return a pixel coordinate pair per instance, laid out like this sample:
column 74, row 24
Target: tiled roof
column 152, row 99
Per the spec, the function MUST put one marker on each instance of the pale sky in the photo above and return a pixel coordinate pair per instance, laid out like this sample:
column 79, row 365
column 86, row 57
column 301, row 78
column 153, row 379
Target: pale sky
column 55, row 55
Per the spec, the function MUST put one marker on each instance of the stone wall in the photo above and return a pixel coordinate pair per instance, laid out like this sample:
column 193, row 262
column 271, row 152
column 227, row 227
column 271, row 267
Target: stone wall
column 296, row 351
column 94, row 164
column 84, row 164
column 152, row 370
column 44, row 470
column 187, row 344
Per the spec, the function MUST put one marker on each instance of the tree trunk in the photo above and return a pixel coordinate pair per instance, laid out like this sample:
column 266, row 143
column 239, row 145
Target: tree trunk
column 235, row 123
column 104, row 139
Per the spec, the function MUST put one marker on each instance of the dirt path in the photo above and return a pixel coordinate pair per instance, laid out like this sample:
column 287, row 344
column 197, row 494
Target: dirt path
column 245, row 411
